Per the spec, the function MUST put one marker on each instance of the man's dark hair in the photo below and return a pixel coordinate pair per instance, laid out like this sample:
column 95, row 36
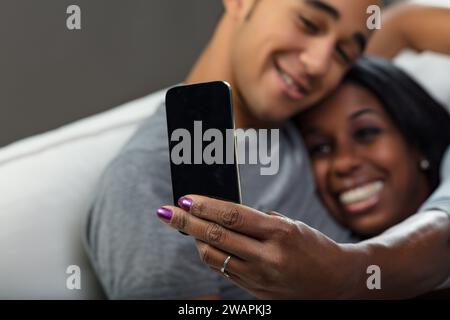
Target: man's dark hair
column 423, row 122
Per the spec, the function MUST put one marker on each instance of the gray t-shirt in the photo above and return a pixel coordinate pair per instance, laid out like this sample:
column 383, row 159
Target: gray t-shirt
column 137, row 257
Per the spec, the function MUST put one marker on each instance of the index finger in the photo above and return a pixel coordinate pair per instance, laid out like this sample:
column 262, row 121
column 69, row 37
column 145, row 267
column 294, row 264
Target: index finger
column 236, row 217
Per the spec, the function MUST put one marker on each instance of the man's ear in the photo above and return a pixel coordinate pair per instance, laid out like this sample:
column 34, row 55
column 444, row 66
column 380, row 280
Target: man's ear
column 238, row 9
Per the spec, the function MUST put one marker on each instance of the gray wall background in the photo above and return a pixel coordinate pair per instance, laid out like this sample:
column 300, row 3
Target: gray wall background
column 50, row 76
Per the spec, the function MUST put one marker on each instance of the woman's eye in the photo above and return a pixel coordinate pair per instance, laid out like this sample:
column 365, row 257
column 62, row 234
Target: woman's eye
column 310, row 26
column 367, row 134
column 320, row 149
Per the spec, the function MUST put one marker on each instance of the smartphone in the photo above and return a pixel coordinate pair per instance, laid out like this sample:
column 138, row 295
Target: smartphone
column 202, row 143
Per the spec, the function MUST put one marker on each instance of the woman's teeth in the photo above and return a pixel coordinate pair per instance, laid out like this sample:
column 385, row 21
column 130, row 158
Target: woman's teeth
column 361, row 194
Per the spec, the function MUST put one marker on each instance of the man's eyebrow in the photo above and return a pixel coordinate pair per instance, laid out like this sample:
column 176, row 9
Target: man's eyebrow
column 325, row 7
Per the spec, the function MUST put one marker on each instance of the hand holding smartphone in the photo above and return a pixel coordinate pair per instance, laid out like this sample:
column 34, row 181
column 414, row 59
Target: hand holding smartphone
column 202, row 144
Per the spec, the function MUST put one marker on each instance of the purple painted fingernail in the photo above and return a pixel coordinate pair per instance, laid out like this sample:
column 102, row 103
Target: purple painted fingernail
column 185, row 203
column 165, row 214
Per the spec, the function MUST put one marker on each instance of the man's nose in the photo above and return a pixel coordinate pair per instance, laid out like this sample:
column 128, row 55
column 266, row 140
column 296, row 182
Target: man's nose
column 317, row 56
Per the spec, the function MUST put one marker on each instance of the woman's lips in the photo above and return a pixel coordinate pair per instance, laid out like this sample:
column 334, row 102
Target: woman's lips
column 361, row 198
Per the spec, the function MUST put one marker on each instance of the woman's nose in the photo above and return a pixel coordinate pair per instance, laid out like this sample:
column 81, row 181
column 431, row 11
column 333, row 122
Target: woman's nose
column 345, row 162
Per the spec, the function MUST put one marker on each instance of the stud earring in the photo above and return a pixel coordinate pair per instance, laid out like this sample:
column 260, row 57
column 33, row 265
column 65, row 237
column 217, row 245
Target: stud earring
column 424, row 164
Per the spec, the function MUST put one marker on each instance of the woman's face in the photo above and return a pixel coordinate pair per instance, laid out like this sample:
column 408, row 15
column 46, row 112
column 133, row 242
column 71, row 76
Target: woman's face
column 368, row 177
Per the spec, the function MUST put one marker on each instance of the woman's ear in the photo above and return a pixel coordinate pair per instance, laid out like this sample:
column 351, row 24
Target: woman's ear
column 424, row 164
column 422, row 161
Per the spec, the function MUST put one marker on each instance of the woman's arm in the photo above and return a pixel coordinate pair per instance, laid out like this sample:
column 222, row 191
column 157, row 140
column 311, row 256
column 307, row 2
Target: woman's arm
column 416, row 27
column 275, row 257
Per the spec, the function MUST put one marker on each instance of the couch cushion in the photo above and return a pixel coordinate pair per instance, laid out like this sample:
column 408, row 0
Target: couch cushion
column 431, row 70
column 47, row 183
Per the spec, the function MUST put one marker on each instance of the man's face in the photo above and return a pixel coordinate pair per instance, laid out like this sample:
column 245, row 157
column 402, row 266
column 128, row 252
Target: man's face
column 289, row 54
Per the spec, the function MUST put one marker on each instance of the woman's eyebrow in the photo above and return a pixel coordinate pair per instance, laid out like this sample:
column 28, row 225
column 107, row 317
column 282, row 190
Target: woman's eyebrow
column 359, row 113
column 324, row 7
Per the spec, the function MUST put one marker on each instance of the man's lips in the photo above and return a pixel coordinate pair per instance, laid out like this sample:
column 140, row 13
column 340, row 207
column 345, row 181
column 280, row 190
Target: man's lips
column 297, row 86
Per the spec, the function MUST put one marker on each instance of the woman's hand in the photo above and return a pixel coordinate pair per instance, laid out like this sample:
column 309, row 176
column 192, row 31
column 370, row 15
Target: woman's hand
column 272, row 256
column 401, row 30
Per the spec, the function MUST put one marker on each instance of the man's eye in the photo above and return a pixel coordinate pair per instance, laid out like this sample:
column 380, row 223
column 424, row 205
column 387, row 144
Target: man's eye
column 343, row 55
column 367, row 134
column 320, row 150
column 310, row 26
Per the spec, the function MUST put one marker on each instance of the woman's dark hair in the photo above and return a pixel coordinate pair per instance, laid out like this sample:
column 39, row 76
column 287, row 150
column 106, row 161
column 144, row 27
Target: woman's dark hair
column 423, row 122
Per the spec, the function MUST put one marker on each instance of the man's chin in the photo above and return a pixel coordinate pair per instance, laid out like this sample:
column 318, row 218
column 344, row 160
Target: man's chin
column 276, row 116
column 273, row 119
column 280, row 112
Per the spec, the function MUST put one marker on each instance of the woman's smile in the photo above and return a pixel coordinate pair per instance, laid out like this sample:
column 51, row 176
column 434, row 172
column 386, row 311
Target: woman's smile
column 362, row 198
column 366, row 173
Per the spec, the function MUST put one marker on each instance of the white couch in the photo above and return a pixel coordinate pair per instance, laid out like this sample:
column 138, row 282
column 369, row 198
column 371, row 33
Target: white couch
column 47, row 184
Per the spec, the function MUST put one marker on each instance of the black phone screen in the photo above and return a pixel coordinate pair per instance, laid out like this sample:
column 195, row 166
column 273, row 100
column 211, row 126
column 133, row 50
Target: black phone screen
column 202, row 161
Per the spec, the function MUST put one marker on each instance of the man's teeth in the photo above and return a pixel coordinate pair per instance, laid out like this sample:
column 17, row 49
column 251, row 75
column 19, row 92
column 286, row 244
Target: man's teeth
column 361, row 193
column 289, row 81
